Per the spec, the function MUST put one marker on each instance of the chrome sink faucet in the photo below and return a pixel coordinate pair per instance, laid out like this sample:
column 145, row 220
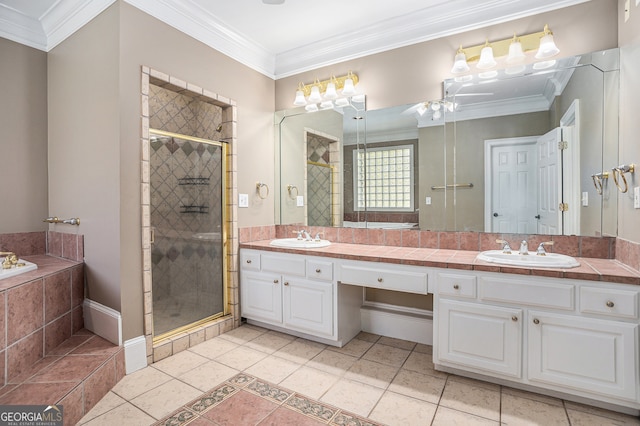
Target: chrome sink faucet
column 541, row 251
column 524, row 247
column 506, row 248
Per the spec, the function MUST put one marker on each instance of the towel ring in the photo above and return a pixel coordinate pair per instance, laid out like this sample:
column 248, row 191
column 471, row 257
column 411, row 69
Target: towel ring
column 620, row 171
column 598, row 181
column 290, row 189
column 259, row 186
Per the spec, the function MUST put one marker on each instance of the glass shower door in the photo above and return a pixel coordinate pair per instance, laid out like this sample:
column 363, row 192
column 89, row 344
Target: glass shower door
column 188, row 240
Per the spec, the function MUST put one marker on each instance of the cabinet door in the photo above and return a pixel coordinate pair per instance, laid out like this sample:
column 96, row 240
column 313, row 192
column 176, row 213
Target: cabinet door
column 262, row 297
column 308, row 306
column 482, row 337
column 595, row 356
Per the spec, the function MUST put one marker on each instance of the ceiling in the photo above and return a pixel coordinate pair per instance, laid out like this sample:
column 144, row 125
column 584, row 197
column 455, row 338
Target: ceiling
column 279, row 40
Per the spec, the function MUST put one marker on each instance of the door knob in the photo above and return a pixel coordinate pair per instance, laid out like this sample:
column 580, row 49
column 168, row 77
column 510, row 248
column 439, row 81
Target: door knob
column 537, row 216
column 496, row 215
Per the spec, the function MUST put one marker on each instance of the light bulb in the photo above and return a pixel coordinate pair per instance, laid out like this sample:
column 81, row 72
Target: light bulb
column 460, row 63
column 300, row 100
column 486, row 58
column 315, row 97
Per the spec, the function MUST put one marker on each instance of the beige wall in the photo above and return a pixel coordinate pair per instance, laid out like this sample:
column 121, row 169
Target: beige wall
column 629, row 33
column 415, row 73
column 94, row 111
column 23, row 145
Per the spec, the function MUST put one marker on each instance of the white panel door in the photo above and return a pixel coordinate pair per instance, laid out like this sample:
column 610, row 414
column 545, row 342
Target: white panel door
column 513, row 189
column 549, row 183
column 261, row 297
column 487, row 338
column 308, row 306
column 591, row 355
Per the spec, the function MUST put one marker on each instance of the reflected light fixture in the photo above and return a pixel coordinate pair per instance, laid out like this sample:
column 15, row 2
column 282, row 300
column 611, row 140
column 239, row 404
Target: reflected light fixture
column 515, row 50
column 327, row 93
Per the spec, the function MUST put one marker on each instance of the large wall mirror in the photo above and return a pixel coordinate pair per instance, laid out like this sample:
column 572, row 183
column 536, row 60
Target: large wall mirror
column 525, row 151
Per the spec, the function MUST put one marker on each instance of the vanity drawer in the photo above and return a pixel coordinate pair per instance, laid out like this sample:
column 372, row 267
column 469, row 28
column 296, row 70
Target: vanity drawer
column 320, row 270
column 249, row 261
column 610, row 302
column 280, row 264
column 527, row 292
column 398, row 279
column 457, row 285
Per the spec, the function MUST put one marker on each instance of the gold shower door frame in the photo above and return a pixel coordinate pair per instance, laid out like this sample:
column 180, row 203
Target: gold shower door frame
column 331, row 170
column 224, row 236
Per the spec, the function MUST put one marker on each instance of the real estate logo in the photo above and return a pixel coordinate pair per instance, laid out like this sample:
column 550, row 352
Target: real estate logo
column 31, row 415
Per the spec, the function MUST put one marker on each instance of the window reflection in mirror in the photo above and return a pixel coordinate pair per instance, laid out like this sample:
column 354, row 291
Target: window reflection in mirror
column 459, row 144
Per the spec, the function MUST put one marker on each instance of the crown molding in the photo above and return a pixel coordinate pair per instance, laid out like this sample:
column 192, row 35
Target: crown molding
column 446, row 19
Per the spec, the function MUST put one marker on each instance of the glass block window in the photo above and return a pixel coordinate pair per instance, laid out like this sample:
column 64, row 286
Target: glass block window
column 383, row 178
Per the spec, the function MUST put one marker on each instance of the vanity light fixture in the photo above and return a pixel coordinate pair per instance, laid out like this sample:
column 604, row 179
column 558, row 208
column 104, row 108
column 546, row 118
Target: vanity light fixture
column 515, row 50
column 326, row 92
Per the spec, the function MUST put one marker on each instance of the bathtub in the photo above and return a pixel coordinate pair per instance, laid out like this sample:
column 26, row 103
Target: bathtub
column 380, row 225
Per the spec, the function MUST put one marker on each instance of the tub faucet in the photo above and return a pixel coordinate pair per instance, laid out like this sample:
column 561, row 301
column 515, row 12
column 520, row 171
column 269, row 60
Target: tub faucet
column 524, row 247
column 10, row 259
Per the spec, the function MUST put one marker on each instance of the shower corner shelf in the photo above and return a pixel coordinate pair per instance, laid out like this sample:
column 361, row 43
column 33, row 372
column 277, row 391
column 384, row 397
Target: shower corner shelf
column 194, row 209
column 193, row 181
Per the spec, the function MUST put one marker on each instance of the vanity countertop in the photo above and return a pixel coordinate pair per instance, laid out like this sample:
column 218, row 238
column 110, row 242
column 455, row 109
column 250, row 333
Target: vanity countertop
column 47, row 265
column 591, row 269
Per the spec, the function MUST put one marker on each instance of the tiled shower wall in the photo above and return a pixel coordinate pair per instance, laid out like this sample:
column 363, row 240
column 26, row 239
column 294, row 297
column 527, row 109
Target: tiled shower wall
column 173, row 105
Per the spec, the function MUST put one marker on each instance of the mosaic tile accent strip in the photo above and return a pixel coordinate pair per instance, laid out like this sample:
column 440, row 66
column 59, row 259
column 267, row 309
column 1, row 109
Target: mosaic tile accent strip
column 284, row 398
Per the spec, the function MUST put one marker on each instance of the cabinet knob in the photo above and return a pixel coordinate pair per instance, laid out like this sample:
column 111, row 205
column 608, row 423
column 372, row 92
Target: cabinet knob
column 514, row 318
column 610, row 304
column 248, row 260
column 286, row 283
column 379, row 280
column 456, row 287
column 536, row 321
column 275, row 281
column 318, row 270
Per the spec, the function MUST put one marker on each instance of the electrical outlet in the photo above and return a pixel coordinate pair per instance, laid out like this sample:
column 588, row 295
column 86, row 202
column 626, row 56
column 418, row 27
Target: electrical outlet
column 243, row 200
column 636, row 197
column 428, row 201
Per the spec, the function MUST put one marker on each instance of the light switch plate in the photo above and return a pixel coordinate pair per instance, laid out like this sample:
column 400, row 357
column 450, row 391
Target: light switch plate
column 585, row 199
column 636, row 197
column 243, row 200
column 427, row 201
column 627, row 10
column 300, row 201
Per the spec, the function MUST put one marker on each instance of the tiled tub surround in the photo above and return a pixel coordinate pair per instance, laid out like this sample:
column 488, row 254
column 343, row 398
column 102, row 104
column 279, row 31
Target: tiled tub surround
column 46, row 355
column 171, row 104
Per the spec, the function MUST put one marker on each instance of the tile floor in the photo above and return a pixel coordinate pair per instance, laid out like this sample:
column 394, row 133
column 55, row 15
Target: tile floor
column 253, row 376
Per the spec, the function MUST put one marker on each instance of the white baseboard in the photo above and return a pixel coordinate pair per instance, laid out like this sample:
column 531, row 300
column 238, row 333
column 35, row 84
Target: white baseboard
column 135, row 354
column 396, row 324
column 103, row 321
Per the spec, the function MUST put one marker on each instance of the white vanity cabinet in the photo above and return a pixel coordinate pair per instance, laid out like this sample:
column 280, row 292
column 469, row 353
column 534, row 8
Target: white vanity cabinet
column 298, row 295
column 570, row 336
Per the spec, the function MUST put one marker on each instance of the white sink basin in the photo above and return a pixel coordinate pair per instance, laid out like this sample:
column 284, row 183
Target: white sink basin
column 16, row 270
column 299, row 244
column 551, row 260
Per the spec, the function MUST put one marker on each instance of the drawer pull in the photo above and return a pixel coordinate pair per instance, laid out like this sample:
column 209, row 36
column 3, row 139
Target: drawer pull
column 536, row 321
column 456, row 287
column 610, row 304
column 286, row 283
column 248, row 260
column 275, row 281
column 318, row 270
column 514, row 318
column 380, row 280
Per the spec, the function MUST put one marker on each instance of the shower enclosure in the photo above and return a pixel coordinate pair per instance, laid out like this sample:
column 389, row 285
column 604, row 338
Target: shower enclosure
column 188, row 255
